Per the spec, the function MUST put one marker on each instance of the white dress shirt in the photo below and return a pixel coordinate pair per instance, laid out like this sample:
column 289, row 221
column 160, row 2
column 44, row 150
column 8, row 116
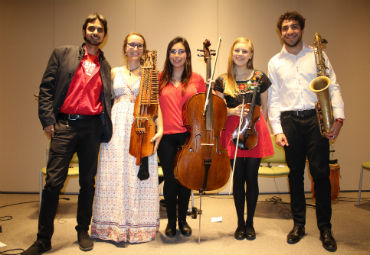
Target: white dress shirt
column 290, row 76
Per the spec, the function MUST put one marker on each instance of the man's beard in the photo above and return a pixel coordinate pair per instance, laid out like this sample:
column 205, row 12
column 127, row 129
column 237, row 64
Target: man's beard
column 92, row 42
column 294, row 44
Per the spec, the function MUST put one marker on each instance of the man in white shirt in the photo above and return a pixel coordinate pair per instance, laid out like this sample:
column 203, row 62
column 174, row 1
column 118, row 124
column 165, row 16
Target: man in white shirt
column 295, row 126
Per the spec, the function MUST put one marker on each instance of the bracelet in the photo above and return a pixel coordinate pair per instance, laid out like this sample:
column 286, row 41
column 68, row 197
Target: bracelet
column 339, row 120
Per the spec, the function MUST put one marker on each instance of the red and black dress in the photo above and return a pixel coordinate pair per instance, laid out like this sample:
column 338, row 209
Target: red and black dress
column 264, row 146
column 247, row 161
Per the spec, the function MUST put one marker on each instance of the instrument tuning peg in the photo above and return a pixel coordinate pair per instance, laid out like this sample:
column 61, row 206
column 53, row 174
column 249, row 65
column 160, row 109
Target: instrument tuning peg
column 200, row 50
column 200, row 55
column 324, row 41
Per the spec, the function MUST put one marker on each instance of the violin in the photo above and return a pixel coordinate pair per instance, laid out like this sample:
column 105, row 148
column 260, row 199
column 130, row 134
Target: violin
column 245, row 136
column 202, row 163
column 146, row 110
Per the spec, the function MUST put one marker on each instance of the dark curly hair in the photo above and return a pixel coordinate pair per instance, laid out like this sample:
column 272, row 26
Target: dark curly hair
column 291, row 16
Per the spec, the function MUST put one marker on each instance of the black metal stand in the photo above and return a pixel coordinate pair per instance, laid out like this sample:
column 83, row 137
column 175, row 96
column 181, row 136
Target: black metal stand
column 192, row 211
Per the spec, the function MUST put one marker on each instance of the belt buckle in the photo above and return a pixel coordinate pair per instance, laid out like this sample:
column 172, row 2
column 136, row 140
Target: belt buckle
column 300, row 114
column 71, row 118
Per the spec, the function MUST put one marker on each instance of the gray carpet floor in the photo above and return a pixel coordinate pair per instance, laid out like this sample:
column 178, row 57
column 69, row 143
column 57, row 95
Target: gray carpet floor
column 351, row 228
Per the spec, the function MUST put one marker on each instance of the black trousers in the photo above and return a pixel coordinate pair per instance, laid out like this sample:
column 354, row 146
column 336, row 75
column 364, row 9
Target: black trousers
column 174, row 193
column 305, row 140
column 81, row 136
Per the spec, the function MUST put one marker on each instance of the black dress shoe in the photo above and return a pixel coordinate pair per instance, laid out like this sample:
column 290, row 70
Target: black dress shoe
column 84, row 240
column 185, row 229
column 170, row 229
column 250, row 234
column 239, row 233
column 296, row 234
column 328, row 241
column 37, row 248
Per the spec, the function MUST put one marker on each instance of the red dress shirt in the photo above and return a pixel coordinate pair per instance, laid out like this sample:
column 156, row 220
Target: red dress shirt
column 83, row 96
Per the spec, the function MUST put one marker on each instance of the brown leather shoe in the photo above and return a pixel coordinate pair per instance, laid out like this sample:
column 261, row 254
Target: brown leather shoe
column 296, row 234
column 84, row 240
column 328, row 241
column 37, row 248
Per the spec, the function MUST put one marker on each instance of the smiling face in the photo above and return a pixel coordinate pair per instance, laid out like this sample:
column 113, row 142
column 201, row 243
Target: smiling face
column 134, row 49
column 94, row 33
column 291, row 33
column 178, row 55
column 242, row 53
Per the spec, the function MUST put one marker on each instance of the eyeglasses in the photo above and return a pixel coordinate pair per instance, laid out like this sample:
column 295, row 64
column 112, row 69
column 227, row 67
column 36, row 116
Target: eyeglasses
column 93, row 28
column 133, row 45
column 179, row 51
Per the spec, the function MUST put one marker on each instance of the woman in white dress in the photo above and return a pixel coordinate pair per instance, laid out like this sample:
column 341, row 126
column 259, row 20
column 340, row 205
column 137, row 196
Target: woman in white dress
column 126, row 206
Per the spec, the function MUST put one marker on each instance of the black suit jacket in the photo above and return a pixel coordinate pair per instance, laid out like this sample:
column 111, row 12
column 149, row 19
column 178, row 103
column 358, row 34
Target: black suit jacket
column 59, row 72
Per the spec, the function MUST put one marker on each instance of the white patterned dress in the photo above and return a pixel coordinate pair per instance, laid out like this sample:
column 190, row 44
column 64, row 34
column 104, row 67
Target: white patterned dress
column 125, row 208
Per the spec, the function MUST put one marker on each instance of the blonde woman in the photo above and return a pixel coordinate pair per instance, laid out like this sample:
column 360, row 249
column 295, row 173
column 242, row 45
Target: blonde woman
column 241, row 80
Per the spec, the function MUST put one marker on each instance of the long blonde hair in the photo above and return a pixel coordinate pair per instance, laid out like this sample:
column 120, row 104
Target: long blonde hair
column 231, row 87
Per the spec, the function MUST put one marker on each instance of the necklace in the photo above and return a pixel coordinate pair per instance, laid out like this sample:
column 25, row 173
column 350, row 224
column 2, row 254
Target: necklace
column 175, row 82
column 133, row 70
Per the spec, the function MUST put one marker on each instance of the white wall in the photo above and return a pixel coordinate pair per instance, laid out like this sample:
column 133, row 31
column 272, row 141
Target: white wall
column 31, row 29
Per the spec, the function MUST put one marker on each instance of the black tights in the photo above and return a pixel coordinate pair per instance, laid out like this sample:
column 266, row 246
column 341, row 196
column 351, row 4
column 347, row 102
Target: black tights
column 174, row 193
column 246, row 172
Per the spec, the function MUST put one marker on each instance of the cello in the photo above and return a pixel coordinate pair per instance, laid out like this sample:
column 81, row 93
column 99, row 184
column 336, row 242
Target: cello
column 146, row 110
column 202, row 163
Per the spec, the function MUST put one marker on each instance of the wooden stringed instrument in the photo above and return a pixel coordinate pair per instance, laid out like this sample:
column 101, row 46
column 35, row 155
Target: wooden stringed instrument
column 146, row 110
column 245, row 136
column 202, row 163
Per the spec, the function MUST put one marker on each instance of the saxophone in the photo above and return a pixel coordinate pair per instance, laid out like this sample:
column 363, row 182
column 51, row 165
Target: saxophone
column 320, row 86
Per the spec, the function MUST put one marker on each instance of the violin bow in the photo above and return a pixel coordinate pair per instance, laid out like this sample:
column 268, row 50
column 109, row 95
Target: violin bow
column 237, row 142
column 211, row 78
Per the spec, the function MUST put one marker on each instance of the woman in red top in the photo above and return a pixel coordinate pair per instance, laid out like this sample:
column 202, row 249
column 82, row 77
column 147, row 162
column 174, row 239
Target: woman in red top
column 240, row 81
column 178, row 84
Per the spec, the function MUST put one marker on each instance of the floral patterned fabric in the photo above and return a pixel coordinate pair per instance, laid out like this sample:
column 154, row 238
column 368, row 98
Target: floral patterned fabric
column 264, row 145
column 125, row 208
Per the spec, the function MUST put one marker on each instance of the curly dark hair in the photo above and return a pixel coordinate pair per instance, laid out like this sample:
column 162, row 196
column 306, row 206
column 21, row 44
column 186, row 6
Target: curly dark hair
column 291, row 16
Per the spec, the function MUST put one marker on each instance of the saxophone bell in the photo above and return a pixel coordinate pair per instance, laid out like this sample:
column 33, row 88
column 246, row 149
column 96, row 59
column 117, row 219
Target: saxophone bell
column 320, row 86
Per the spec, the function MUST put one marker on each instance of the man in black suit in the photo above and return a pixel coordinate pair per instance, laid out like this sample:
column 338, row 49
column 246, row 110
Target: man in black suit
column 74, row 110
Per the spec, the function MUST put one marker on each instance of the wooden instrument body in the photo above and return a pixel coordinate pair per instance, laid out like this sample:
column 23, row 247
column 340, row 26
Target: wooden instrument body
column 248, row 135
column 203, row 147
column 245, row 136
column 145, row 111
